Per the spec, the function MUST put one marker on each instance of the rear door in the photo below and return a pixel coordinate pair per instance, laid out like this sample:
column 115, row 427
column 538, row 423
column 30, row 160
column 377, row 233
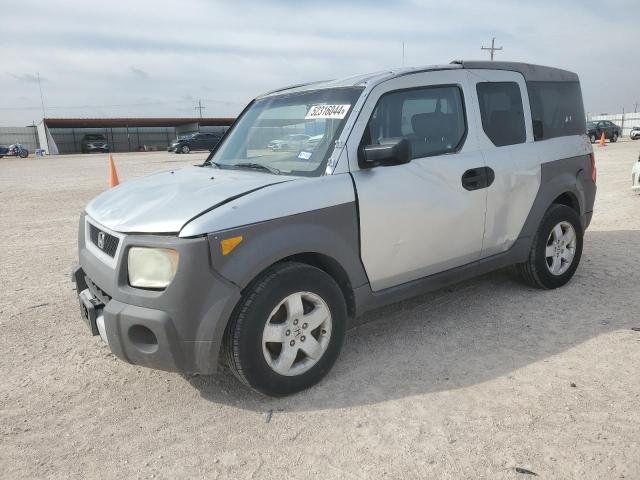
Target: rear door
column 505, row 139
column 419, row 218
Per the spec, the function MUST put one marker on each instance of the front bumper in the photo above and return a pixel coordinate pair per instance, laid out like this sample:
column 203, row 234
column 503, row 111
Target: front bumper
column 177, row 329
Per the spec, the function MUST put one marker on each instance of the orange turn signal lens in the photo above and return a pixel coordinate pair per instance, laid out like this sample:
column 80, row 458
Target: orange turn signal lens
column 229, row 244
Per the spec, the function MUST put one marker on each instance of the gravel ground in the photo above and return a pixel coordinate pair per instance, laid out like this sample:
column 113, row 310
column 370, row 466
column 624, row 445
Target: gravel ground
column 472, row 381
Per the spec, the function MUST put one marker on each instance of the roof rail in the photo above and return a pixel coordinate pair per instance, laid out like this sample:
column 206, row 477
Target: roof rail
column 296, row 85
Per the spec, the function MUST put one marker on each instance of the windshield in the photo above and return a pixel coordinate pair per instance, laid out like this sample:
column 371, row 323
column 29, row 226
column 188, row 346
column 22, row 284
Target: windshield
column 289, row 134
column 591, row 125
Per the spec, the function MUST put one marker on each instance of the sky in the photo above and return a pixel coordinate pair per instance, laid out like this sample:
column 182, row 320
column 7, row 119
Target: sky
column 145, row 58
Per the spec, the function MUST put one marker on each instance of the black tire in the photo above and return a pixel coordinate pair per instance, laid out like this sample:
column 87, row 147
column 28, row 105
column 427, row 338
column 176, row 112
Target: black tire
column 614, row 138
column 535, row 270
column 592, row 138
column 185, row 149
column 243, row 339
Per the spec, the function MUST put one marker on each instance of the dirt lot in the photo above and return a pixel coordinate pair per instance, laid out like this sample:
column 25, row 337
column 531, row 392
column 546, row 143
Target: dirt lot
column 468, row 382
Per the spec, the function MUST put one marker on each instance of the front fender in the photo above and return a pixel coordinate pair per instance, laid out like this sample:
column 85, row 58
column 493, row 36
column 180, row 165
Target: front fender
column 330, row 231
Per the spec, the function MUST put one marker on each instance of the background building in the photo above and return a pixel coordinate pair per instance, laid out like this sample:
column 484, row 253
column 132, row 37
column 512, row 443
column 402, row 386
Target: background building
column 64, row 135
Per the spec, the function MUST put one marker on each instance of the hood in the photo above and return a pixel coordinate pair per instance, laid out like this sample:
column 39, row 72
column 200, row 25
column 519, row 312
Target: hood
column 165, row 201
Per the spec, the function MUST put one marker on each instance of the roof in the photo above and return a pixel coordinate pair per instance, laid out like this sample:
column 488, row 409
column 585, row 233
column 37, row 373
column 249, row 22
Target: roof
column 133, row 122
column 531, row 73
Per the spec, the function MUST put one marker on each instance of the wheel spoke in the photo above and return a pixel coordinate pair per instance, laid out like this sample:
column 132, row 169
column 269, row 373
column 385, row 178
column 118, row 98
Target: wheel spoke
column 550, row 251
column 557, row 232
column 274, row 332
column 286, row 358
column 314, row 319
column 569, row 236
column 294, row 306
column 555, row 265
column 567, row 255
column 311, row 347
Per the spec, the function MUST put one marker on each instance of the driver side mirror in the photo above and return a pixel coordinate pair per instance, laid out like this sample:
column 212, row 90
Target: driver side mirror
column 390, row 151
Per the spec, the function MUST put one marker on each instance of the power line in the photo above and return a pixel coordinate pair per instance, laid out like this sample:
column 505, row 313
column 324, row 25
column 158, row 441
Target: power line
column 492, row 49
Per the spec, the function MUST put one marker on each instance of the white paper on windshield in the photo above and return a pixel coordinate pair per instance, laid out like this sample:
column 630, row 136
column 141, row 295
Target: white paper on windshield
column 327, row 111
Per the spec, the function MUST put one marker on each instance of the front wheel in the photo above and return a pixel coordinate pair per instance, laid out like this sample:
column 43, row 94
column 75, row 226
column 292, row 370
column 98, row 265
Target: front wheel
column 287, row 331
column 592, row 138
column 556, row 249
column 24, row 153
column 185, row 149
column 615, row 137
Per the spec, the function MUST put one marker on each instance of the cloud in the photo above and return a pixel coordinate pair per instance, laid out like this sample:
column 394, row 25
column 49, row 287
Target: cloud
column 139, row 73
column 229, row 52
column 27, row 77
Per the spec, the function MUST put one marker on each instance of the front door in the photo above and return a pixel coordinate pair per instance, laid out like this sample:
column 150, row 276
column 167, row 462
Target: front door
column 428, row 215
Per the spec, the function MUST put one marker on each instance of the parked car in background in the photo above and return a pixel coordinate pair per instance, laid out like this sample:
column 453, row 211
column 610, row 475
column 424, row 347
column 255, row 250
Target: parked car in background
column 312, row 142
column 292, row 142
column 94, row 142
column 264, row 260
column 635, row 133
column 595, row 130
column 195, row 141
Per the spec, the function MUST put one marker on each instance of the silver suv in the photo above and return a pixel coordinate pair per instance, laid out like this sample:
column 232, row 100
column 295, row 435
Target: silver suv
column 262, row 257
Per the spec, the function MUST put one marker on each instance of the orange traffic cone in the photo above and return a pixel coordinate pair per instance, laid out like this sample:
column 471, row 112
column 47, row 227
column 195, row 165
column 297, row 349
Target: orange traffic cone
column 113, row 175
column 602, row 144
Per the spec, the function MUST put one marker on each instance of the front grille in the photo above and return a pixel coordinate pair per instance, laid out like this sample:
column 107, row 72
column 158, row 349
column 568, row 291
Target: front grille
column 104, row 241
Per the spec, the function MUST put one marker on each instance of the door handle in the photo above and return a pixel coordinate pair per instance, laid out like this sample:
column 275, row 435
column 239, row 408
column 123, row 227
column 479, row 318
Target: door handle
column 478, row 178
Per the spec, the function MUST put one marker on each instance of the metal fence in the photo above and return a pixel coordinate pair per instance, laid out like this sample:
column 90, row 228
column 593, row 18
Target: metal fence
column 626, row 121
column 27, row 136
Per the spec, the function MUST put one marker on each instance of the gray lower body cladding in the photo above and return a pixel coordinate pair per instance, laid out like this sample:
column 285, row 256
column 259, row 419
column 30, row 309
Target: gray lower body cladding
column 187, row 319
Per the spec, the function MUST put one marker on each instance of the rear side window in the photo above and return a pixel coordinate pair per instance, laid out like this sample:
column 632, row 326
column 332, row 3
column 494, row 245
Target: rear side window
column 556, row 109
column 501, row 112
column 431, row 118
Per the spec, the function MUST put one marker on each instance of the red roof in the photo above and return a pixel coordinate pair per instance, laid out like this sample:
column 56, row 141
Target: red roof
column 133, row 122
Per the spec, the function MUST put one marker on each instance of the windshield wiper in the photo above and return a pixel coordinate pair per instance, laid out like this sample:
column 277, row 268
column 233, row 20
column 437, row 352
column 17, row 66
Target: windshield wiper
column 258, row 166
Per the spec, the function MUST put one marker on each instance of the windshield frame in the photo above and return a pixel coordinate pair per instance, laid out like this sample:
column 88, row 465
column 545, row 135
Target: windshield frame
column 359, row 91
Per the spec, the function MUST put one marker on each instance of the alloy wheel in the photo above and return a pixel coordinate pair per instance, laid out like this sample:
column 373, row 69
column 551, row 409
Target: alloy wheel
column 297, row 333
column 561, row 248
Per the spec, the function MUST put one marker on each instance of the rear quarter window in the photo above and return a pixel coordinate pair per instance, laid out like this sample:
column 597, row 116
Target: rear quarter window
column 501, row 112
column 556, row 109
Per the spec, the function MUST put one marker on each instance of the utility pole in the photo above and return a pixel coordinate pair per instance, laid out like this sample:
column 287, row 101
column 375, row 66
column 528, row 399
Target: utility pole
column 199, row 107
column 41, row 96
column 492, row 49
column 403, row 53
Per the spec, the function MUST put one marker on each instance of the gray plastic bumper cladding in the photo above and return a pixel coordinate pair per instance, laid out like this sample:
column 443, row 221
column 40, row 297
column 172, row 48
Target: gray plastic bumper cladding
column 176, row 329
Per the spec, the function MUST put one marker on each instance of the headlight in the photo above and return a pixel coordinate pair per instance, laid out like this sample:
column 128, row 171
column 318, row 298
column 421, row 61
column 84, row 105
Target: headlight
column 152, row 267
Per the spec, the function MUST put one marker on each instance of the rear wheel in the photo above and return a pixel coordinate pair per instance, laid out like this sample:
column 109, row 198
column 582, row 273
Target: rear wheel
column 615, row 137
column 287, row 331
column 592, row 138
column 556, row 249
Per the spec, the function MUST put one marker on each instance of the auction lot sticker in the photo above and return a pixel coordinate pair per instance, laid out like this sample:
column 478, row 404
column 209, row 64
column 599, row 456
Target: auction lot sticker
column 327, row 111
